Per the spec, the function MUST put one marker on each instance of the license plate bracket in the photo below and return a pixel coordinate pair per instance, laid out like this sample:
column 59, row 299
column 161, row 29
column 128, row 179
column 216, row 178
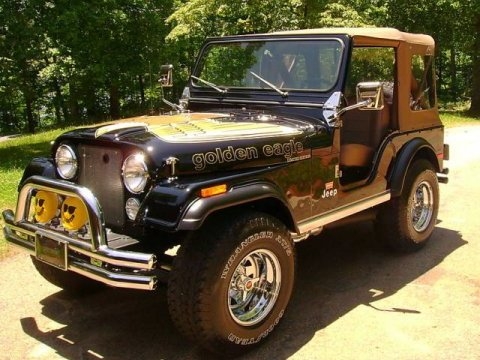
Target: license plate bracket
column 51, row 251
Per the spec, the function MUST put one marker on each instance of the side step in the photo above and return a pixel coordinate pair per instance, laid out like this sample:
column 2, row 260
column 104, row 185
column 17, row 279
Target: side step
column 313, row 225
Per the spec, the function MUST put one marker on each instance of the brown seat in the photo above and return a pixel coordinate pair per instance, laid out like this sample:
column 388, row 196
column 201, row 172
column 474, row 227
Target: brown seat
column 356, row 155
column 361, row 135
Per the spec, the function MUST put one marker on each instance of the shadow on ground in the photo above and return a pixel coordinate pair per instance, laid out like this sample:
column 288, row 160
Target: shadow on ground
column 337, row 271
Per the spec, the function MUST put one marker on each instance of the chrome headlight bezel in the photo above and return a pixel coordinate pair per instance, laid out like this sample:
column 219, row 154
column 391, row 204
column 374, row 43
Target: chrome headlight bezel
column 135, row 173
column 66, row 162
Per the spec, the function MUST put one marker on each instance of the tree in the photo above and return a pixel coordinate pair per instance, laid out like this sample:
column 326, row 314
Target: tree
column 22, row 46
column 195, row 20
column 69, row 62
column 475, row 100
column 112, row 44
column 339, row 14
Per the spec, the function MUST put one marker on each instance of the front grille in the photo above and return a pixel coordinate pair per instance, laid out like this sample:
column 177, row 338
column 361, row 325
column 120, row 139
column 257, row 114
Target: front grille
column 101, row 172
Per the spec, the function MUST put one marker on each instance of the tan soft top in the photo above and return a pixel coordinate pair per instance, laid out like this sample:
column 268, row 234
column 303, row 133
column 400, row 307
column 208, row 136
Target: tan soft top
column 372, row 33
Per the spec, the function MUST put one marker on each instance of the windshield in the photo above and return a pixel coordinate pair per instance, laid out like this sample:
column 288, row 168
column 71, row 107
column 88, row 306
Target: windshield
column 287, row 64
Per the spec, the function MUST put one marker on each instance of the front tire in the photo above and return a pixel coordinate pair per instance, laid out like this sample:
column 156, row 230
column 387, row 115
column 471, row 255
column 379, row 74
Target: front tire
column 407, row 222
column 231, row 283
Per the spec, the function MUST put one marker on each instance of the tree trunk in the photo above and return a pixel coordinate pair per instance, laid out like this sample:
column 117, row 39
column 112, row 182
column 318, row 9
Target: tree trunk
column 475, row 104
column 453, row 73
column 28, row 90
column 439, row 69
column 59, row 103
column 31, row 123
column 114, row 102
column 74, row 113
column 142, row 91
column 93, row 112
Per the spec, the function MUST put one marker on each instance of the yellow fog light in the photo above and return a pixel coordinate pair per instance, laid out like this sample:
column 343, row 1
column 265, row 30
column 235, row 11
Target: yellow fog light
column 74, row 213
column 46, row 206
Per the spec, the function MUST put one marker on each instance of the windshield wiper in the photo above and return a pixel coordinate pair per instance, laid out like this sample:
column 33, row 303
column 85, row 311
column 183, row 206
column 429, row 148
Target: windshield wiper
column 172, row 105
column 208, row 83
column 269, row 84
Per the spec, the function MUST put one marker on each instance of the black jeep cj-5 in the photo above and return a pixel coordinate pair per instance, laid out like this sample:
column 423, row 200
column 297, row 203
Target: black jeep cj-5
column 276, row 137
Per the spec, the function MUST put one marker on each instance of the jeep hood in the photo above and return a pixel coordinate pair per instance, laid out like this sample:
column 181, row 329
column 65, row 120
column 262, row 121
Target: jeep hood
column 200, row 142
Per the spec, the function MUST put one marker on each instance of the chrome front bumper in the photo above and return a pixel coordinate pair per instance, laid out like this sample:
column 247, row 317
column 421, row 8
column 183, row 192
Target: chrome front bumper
column 93, row 259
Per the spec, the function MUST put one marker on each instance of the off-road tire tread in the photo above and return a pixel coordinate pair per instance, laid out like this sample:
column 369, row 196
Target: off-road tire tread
column 188, row 291
column 391, row 224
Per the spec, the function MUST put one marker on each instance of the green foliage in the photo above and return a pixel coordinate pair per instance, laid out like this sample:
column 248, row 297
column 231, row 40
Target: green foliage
column 340, row 15
column 458, row 118
column 197, row 19
column 64, row 62
column 232, row 72
column 362, row 68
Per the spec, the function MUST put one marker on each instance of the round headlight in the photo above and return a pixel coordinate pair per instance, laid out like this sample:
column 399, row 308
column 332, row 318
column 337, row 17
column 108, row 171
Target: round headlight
column 131, row 208
column 135, row 173
column 66, row 161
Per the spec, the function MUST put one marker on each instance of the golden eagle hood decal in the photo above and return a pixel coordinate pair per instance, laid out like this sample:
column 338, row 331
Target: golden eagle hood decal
column 188, row 128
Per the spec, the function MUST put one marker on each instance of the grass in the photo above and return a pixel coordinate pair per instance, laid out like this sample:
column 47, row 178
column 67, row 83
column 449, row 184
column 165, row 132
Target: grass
column 455, row 114
column 16, row 153
column 457, row 118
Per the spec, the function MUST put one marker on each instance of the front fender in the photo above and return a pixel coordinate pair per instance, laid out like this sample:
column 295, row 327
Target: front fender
column 201, row 208
column 38, row 166
column 415, row 148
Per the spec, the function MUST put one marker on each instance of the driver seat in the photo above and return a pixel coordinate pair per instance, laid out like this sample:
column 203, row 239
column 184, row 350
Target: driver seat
column 362, row 133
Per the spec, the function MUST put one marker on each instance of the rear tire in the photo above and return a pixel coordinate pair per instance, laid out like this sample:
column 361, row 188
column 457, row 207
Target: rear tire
column 407, row 222
column 231, row 283
column 71, row 282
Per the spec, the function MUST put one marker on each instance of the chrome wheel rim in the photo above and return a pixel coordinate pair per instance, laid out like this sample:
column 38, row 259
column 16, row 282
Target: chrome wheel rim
column 422, row 206
column 254, row 287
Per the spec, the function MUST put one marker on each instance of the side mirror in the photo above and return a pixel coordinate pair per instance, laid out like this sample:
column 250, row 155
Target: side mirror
column 166, row 80
column 331, row 106
column 332, row 110
column 166, row 76
column 371, row 91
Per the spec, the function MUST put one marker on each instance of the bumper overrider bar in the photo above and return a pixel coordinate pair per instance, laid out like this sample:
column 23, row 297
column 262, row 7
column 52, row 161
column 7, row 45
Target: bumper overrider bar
column 94, row 259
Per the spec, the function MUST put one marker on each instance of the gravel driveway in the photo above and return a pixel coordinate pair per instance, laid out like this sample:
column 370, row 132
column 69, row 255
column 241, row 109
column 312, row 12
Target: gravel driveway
column 353, row 299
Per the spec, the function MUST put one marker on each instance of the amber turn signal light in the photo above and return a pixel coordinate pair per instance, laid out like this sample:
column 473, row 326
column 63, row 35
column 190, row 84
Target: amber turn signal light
column 213, row 190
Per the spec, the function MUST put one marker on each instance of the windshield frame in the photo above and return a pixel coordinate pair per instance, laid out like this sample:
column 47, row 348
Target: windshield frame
column 198, row 70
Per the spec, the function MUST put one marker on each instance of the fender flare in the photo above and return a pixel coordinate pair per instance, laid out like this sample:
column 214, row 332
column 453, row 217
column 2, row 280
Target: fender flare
column 199, row 209
column 404, row 159
column 38, row 166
